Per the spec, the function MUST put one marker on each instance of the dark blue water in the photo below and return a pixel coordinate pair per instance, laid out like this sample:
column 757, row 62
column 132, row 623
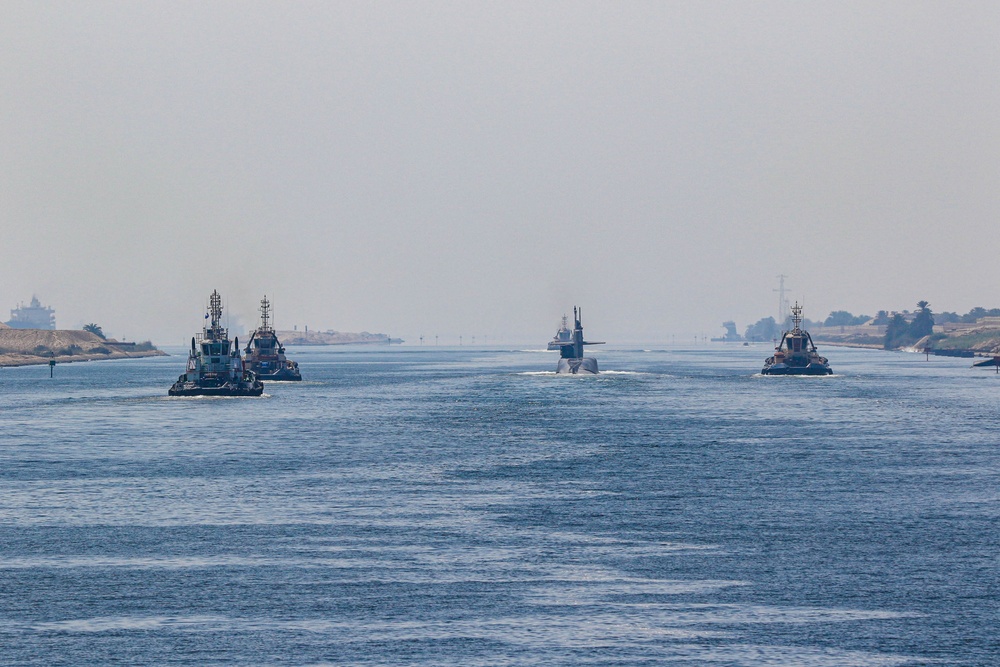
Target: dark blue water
column 431, row 506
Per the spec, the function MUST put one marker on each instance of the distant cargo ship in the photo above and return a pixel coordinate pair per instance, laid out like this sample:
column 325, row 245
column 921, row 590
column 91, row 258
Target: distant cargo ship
column 32, row 316
column 564, row 336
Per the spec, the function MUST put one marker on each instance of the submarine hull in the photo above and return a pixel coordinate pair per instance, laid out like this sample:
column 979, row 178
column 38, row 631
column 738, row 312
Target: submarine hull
column 216, row 391
column 584, row 366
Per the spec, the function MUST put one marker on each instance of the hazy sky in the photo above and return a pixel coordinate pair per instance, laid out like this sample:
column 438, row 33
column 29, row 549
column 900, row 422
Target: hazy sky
column 477, row 168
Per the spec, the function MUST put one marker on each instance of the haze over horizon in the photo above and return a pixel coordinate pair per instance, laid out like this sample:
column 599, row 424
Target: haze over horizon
column 478, row 169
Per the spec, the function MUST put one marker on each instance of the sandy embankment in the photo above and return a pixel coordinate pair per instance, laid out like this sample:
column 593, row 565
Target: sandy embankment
column 840, row 343
column 24, row 347
column 981, row 340
column 863, row 336
column 329, row 337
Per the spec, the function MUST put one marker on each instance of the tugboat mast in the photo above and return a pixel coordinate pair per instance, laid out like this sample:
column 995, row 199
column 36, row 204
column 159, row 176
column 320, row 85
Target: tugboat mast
column 215, row 313
column 265, row 314
column 796, row 317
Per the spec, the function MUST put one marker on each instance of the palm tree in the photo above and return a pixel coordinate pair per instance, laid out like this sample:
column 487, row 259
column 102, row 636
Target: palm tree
column 923, row 323
column 94, row 329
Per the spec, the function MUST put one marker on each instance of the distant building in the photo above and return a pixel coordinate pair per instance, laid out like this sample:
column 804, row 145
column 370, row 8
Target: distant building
column 32, row 316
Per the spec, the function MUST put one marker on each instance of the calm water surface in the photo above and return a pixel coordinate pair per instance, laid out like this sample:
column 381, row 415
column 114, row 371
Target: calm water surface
column 435, row 506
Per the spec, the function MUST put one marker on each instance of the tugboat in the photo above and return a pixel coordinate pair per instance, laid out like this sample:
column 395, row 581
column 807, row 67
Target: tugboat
column 796, row 354
column 265, row 354
column 563, row 336
column 571, row 359
column 215, row 367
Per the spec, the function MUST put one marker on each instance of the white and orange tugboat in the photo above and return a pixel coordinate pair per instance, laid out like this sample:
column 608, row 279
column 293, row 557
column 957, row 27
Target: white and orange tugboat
column 796, row 354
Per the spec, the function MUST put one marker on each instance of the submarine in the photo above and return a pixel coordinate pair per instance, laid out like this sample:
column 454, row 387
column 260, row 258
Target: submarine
column 796, row 354
column 571, row 359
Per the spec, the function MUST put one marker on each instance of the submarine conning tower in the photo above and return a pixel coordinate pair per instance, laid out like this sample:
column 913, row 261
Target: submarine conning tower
column 571, row 359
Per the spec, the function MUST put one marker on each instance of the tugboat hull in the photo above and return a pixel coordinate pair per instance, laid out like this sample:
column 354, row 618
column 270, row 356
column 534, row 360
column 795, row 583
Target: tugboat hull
column 584, row 366
column 186, row 388
column 281, row 375
column 215, row 391
column 783, row 369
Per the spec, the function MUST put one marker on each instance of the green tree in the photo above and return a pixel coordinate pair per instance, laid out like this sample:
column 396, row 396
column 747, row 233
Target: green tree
column 839, row 318
column 765, row 329
column 923, row 323
column 974, row 314
column 96, row 330
column 897, row 333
